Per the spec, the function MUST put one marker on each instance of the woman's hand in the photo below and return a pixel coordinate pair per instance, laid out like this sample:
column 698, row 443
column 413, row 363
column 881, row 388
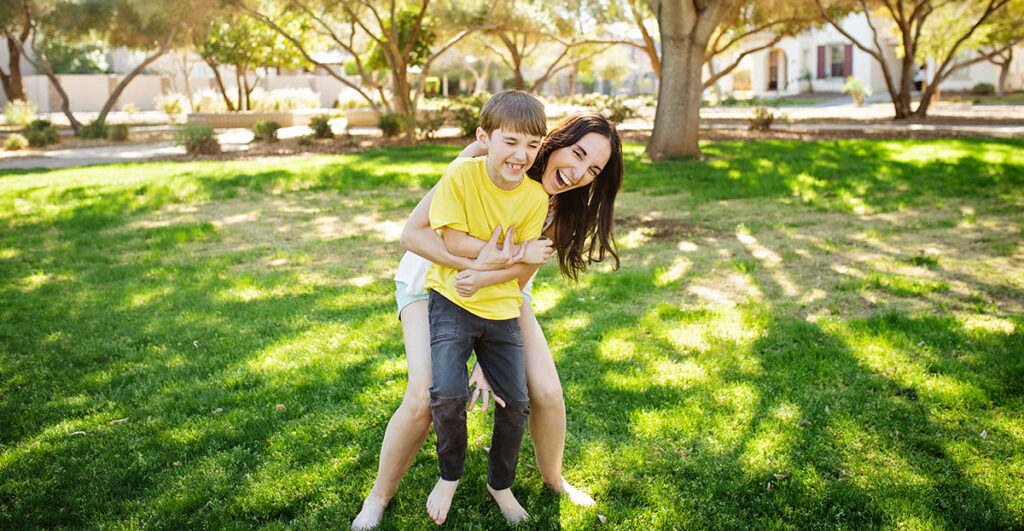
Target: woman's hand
column 494, row 256
column 537, row 251
column 482, row 387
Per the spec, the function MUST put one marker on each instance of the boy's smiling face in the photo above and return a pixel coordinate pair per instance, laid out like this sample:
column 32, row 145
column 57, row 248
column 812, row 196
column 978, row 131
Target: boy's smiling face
column 509, row 155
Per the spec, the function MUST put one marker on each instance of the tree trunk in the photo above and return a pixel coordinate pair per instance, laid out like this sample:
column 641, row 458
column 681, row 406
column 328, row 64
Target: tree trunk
column 574, row 75
column 685, row 31
column 238, row 90
column 1004, row 71
column 43, row 65
column 13, row 87
column 112, row 100
column 220, row 85
column 901, row 100
column 677, row 119
column 185, row 70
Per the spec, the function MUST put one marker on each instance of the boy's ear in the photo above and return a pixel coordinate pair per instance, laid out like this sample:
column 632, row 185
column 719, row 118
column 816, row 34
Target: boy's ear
column 481, row 136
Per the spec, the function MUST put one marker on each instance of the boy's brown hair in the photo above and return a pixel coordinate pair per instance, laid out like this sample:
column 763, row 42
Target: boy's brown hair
column 516, row 111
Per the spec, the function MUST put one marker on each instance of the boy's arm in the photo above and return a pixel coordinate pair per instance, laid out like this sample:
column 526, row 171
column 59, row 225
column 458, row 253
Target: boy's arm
column 459, row 243
column 468, row 282
column 418, row 237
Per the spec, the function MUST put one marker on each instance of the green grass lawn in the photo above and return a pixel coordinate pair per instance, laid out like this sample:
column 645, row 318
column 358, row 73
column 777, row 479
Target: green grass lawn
column 801, row 335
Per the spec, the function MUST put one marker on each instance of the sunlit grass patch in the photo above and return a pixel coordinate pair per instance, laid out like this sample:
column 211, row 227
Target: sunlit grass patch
column 828, row 339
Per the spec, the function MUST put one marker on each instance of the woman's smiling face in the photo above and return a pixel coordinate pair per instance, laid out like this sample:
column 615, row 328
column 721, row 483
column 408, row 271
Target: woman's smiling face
column 577, row 165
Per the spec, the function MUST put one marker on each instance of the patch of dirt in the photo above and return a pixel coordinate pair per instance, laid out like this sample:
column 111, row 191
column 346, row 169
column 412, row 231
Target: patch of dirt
column 661, row 229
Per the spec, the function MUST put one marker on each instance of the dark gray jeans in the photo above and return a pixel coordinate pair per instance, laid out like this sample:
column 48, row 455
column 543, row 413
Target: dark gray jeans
column 454, row 334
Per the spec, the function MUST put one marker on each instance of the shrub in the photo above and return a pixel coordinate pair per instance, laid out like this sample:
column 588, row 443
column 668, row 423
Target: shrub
column 391, row 124
column 119, row 132
column 465, row 113
column 983, row 89
column 94, row 130
column 20, row 112
column 430, row 124
column 432, row 86
column 266, row 130
column 15, row 142
column 41, row 133
column 762, row 119
column 321, row 126
column 615, row 108
column 197, row 139
column 305, row 140
column 171, row 103
column 855, row 87
column 283, row 99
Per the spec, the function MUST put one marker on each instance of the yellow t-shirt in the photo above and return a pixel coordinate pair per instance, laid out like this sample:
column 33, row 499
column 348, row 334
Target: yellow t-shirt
column 468, row 201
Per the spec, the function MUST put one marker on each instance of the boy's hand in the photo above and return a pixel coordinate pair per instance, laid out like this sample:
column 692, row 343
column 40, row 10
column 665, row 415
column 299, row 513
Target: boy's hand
column 493, row 256
column 468, row 282
column 537, row 251
column 482, row 387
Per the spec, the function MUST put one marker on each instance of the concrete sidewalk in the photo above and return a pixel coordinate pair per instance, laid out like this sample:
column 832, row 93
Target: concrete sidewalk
column 805, row 118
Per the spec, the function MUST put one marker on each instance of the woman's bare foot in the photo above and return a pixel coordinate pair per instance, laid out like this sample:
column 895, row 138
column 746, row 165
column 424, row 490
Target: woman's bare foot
column 440, row 500
column 509, row 505
column 369, row 517
column 576, row 496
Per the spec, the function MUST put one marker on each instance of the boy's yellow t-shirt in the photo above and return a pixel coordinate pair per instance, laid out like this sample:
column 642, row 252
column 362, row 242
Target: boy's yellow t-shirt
column 468, row 201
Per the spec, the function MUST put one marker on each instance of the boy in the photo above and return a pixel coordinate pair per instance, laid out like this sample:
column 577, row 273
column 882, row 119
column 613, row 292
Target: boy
column 473, row 198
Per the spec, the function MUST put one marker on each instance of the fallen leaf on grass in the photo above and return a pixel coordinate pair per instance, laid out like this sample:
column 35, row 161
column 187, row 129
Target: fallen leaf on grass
column 531, row 467
column 984, row 434
column 280, row 407
column 682, row 453
column 805, row 423
column 76, row 433
column 783, row 475
column 769, row 487
column 118, row 421
column 843, row 472
column 176, row 463
column 602, row 518
column 195, row 344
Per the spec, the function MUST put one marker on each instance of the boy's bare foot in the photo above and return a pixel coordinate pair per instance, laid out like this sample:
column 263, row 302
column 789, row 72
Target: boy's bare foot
column 509, row 505
column 440, row 500
column 576, row 496
column 369, row 517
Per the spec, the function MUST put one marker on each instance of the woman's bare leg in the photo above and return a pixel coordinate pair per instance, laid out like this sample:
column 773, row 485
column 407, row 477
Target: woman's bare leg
column 409, row 425
column 547, row 408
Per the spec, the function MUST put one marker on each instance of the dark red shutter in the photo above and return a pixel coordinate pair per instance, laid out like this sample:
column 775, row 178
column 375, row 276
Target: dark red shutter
column 821, row 62
column 848, row 60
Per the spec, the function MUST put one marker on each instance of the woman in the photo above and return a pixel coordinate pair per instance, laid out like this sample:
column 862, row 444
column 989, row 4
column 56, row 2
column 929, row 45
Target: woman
column 580, row 166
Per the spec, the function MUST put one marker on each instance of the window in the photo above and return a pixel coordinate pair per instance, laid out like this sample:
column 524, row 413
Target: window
column 837, row 60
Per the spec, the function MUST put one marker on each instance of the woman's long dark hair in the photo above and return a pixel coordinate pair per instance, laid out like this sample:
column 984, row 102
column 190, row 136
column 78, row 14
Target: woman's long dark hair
column 583, row 216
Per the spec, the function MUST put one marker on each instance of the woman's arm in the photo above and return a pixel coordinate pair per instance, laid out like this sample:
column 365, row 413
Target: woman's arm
column 476, row 149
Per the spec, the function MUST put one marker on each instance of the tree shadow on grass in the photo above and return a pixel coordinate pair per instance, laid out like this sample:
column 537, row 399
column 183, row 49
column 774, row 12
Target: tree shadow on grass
column 799, row 427
column 197, row 372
